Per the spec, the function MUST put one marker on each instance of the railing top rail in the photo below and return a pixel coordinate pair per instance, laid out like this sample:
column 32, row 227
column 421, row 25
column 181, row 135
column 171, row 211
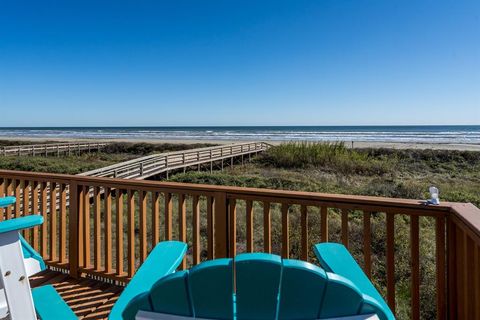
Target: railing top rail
column 239, row 192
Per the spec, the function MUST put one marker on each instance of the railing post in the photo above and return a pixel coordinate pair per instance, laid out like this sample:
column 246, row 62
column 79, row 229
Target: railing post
column 220, row 226
column 74, row 235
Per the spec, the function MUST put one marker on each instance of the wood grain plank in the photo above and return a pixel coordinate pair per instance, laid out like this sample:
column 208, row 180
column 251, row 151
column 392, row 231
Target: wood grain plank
column 131, row 232
column 168, row 216
column 63, row 223
column 155, row 218
column 232, row 222
column 107, row 199
column 196, row 230
column 119, row 232
column 53, row 222
column 97, row 239
column 182, row 224
column 367, row 244
column 143, row 198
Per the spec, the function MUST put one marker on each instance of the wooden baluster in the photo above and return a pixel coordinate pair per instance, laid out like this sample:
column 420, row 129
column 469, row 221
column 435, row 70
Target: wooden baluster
column 345, row 228
column 441, row 272
column 86, row 227
column 249, row 216
column 324, row 224
column 26, row 207
column 391, row 261
column 34, row 210
column 53, row 221
column 131, row 232
column 304, row 227
column 210, row 226
column 196, row 229
column 97, row 239
column 3, row 191
column 119, row 225
column 155, row 218
column 285, row 231
column 107, row 199
column 267, row 227
column 63, row 223
column 168, row 216
column 44, row 227
column 415, row 267
column 18, row 195
column 232, row 221
column 143, row 225
column 367, row 244
column 8, row 211
column 182, row 224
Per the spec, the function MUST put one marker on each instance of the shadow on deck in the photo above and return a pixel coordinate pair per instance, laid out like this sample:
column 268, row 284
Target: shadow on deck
column 89, row 299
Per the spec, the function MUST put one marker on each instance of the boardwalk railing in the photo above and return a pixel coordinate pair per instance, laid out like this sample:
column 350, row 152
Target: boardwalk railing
column 110, row 235
column 151, row 165
column 51, row 148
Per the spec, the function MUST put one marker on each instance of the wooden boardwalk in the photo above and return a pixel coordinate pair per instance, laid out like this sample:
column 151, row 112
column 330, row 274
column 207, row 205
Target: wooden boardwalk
column 89, row 299
column 148, row 166
column 52, row 148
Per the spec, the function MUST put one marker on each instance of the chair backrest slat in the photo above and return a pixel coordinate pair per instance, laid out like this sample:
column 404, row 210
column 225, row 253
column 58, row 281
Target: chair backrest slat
column 211, row 289
column 341, row 298
column 170, row 295
column 257, row 282
column 301, row 290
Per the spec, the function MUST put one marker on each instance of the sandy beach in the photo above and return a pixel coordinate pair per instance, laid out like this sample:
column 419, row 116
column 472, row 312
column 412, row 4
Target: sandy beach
column 355, row 144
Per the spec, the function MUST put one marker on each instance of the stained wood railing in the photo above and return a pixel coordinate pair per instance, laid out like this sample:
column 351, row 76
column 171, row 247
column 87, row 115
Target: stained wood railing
column 51, row 148
column 109, row 235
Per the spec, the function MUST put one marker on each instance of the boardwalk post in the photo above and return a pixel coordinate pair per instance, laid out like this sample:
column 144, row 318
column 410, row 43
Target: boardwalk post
column 58, row 151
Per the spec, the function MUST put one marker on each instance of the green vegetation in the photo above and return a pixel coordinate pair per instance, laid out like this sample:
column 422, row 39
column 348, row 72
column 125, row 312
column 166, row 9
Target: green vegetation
column 333, row 168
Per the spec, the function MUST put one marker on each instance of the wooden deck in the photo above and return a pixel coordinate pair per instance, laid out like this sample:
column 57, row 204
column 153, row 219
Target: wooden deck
column 89, row 299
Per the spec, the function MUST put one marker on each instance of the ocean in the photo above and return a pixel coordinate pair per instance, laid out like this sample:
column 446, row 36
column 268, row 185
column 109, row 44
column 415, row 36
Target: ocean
column 411, row 134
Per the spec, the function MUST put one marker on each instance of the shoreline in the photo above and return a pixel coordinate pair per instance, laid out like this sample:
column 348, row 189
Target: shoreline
column 356, row 144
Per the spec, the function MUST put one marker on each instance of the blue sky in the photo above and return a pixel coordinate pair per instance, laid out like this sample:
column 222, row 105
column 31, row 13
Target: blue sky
column 329, row 62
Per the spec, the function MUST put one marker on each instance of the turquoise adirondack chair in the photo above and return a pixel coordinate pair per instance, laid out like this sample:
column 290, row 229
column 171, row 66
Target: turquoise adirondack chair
column 251, row 286
column 256, row 286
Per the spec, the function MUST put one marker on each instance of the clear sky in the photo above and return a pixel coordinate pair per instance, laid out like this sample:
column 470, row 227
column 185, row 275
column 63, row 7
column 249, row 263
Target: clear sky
column 323, row 62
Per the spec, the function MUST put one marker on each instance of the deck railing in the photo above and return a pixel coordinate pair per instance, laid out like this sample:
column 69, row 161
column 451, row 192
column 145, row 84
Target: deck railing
column 110, row 225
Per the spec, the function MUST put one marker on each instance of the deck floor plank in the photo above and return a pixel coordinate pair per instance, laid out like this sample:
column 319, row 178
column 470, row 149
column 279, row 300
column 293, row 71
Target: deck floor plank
column 89, row 299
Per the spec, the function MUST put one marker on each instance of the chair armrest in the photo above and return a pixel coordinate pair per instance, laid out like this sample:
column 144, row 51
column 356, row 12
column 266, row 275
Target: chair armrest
column 21, row 223
column 335, row 258
column 163, row 260
column 5, row 202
